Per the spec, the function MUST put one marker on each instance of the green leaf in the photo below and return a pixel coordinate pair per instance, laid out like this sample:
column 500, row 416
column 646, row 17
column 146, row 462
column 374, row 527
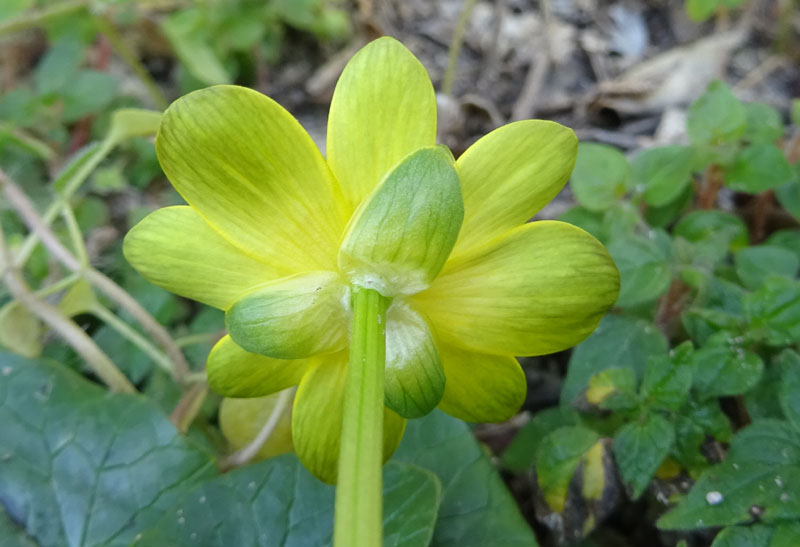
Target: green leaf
column 757, row 168
column 764, row 124
column 787, row 534
column 773, row 311
column 476, row 507
column 693, row 426
column 740, row 536
column 667, row 380
column 183, row 30
column 278, row 502
column 796, row 112
column 759, row 478
column 789, row 390
column 700, row 10
column 664, row 172
column 601, row 176
column 58, row 66
column 11, row 535
column 82, row 467
column 591, row 221
column 613, row 389
column 722, row 367
column 785, row 239
column 89, row 92
column 127, row 123
column 718, row 306
column 521, row 453
column 401, row 235
column 719, row 228
column 643, row 267
column 20, row 330
column 789, row 197
column 619, row 341
column 557, row 459
column 755, row 264
column 717, row 117
column 640, row 447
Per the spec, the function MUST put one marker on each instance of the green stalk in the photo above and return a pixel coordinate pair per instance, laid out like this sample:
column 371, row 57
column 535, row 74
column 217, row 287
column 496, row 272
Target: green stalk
column 359, row 514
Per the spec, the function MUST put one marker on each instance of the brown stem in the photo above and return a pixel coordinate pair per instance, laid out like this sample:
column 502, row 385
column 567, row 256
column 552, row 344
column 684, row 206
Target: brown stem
column 189, row 406
column 671, row 305
column 713, row 181
column 762, row 208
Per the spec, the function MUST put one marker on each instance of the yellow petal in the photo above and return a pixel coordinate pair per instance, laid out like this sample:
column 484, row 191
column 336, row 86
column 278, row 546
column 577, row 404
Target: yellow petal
column 293, row 317
column 241, row 420
column 481, row 387
column 383, row 108
column 178, row 251
column 541, row 288
column 317, row 418
column 234, row 372
column 511, row 173
column 414, row 380
column 252, row 172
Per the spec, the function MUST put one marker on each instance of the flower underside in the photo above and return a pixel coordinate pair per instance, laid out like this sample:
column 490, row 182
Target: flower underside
column 279, row 237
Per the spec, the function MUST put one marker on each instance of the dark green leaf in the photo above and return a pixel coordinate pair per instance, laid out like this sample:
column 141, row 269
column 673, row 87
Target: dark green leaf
column 716, row 117
column 601, row 176
column 773, row 311
column 82, row 467
column 717, row 227
column 557, row 459
column 591, row 221
column 618, row 342
column 664, row 172
column 789, row 197
column 89, row 92
column 789, row 392
column 476, row 507
column 722, row 367
column 760, row 478
column 640, row 447
column 644, row 269
column 278, row 502
column 757, row 168
column 785, row 239
column 755, row 264
column 787, row 534
column 741, row 536
column 667, row 380
column 11, row 535
column 693, row 425
column 613, row 389
column 521, row 453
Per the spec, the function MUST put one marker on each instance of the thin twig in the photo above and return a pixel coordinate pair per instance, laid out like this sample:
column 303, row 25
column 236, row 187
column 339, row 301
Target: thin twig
column 247, row 453
column 35, row 223
column 455, row 47
column 75, row 336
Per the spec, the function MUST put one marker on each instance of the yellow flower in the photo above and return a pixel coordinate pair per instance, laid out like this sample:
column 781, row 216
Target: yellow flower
column 277, row 235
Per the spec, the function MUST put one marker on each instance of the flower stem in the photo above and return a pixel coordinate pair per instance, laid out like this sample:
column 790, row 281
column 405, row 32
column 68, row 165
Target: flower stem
column 358, row 517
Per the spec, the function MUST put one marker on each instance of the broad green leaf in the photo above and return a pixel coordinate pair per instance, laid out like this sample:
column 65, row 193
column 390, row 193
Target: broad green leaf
column 764, row 123
column 718, row 306
column 761, row 401
column 11, row 534
column 741, row 536
column 401, row 235
column 760, row 477
column 591, row 221
column 789, row 390
column 293, row 317
column 757, row 168
column 723, row 367
column 521, row 453
column 557, row 458
column 664, row 172
column 182, row 30
column 755, row 264
column 717, row 117
column 601, row 176
column 619, row 341
column 127, row 123
column 664, row 216
column 693, row 426
column 644, row 269
column 773, row 311
column 89, row 92
column 787, row 534
column 640, row 447
column 476, row 507
column 785, row 239
column 718, row 227
column 58, row 66
column 82, row 467
column 612, row 389
column 667, row 380
column 789, row 196
column 278, row 502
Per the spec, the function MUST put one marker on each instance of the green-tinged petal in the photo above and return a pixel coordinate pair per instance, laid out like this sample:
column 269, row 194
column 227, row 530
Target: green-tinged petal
column 317, row 418
column 241, row 420
column 176, row 249
column 401, row 235
column 481, row 387
column 414, row 380
column 252, row 172
column 511, row 173
column 234, row 372
column 541, row 288
column 294, row 317
column 383, row 109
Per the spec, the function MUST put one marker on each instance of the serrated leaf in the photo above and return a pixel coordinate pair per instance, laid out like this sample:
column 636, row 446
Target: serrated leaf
column 557, row 458
column 644, row 269
column 664, row 172
column 720, row 228
column 613, row 389
column 619, row 341
column 476, row 507
column 789, row 392
column 521, row 453
column 640, row 447
column 757, row 168
column 81, row 467
column 667, row 380
column 740, row 536
column 723, row 367
column 278, row 502
column 773, row 311
column 759, row 479
column 601, row 176
column 755, row 264
column 695, row 423
column 717, row 117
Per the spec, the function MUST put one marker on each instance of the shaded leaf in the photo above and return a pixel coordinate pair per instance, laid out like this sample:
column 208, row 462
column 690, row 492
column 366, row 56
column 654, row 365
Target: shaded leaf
column 757, row 168
column 521, row 453
column 723, row 367
column 717, row 117
column 601, row 176
column 664, row 172
column 640, row 447
column 644, row 269
column 755, row 264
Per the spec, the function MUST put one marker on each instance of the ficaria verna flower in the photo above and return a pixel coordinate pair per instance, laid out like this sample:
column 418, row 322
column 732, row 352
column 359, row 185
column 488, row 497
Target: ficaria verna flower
column 279, row 236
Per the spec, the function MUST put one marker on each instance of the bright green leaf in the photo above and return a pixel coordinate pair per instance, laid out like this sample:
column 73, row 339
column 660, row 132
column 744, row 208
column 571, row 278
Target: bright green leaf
column 20, row 330
column 764, row 123
column 601, row 176
column 717, row 117
column 789, row 196
column 700, row 10
column 755, row 264
column 664, row 172
column 720, row 228
column 644, row 269
column 757, row 168
column 612, row 389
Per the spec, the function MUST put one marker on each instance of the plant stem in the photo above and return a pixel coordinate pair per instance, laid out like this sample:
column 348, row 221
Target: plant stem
column 358, row 516
column 455, row 46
